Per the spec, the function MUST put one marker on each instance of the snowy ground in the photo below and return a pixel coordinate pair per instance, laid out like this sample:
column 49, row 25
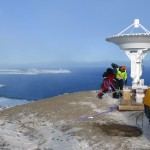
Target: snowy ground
column 55, row 124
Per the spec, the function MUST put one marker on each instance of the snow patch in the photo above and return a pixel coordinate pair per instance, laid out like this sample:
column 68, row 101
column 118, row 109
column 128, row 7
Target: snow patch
column 32, row 71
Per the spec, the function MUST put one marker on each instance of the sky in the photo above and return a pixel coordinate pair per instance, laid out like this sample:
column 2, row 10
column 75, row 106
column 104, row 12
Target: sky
column 66, row 32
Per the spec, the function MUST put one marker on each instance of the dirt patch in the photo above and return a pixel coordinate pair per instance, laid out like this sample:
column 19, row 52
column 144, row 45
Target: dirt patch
column 118, row 130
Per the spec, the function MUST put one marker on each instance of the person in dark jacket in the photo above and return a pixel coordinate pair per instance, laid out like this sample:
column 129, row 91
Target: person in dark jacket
column 108, row 80
column 121, row 77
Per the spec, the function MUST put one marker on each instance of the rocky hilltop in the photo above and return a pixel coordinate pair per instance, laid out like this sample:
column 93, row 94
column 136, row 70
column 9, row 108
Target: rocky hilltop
column 77, row 121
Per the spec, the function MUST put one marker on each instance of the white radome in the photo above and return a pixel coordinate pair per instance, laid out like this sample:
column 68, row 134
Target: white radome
column 136, row 46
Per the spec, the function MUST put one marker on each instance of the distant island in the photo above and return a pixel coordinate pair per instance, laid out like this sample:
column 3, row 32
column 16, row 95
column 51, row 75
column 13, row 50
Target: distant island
column 33, row 71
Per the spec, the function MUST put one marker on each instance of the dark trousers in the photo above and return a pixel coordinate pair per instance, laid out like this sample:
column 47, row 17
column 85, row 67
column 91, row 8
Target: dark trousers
column 119, row 85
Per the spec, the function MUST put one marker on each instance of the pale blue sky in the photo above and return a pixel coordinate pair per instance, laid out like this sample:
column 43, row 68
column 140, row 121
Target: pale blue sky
column 66, row 31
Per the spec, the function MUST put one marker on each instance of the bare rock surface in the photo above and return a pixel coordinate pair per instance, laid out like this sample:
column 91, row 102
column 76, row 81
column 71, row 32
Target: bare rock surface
column 57, row 123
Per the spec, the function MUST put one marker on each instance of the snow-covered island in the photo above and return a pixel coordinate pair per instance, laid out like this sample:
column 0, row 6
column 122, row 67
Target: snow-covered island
column 33, row 71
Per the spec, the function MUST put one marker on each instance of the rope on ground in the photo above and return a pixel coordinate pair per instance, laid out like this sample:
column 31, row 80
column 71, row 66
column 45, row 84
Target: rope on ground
column 112, row 108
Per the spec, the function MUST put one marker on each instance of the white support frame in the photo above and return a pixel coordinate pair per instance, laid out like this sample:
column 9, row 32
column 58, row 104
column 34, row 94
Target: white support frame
column 136, row 24
column 136, row 59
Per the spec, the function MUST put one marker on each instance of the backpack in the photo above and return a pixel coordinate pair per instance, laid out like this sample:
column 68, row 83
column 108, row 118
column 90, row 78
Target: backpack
column 105, row 74
column 110, row 71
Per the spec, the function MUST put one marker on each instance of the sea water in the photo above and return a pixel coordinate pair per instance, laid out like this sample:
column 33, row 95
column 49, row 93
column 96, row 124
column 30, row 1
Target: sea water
column 17, row 89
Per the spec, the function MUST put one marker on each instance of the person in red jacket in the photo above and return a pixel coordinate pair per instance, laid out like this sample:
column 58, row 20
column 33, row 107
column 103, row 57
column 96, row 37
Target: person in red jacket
column 108, row 81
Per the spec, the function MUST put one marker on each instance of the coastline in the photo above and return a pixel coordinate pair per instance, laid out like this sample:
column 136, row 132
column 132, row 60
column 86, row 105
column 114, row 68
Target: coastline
column 54, row 123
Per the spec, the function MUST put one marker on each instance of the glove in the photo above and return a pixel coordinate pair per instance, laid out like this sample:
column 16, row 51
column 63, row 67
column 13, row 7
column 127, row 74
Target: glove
column 125, row 82
column 114, row 65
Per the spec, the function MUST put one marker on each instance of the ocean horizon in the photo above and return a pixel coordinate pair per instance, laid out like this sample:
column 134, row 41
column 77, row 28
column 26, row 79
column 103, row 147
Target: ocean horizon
column 18, row 86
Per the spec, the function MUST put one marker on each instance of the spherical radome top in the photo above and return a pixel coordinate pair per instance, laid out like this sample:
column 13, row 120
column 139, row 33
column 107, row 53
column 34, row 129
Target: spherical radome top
column 131, row 41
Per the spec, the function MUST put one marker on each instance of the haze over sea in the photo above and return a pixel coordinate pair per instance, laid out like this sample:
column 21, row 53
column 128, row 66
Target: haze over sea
column 25, row 85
